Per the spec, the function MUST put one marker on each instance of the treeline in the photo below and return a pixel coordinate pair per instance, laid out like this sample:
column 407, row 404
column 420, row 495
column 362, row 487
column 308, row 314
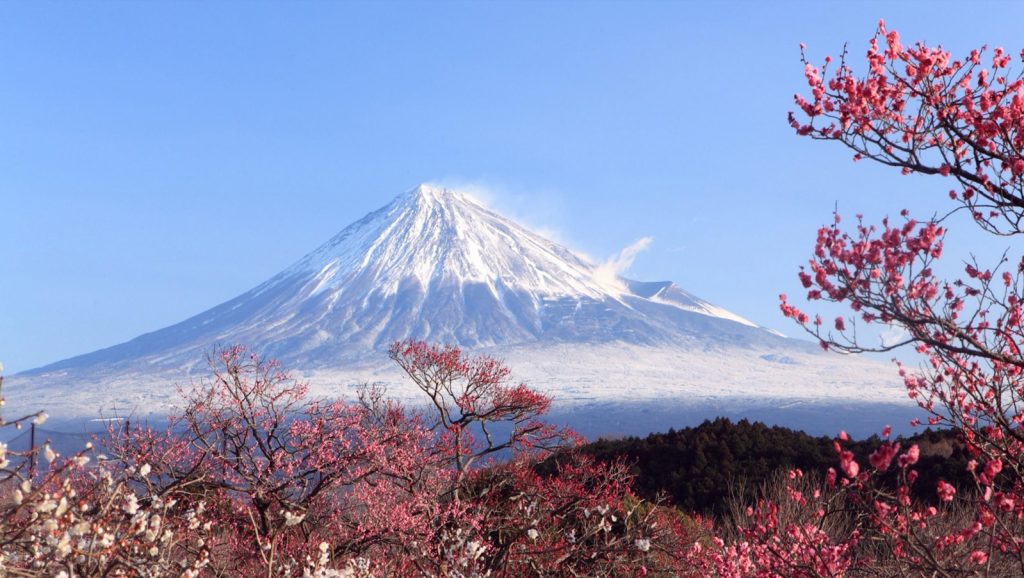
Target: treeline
column 700, row 468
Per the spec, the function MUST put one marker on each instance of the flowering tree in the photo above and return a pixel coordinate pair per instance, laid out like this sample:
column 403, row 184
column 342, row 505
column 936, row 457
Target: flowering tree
column 77, row 518
column 300, row 487
column 922, row 111
column 275, row 465
column 470, row 397
column 508, row 518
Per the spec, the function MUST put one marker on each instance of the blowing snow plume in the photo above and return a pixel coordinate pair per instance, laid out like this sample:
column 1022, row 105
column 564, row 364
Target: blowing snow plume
column 608, row 273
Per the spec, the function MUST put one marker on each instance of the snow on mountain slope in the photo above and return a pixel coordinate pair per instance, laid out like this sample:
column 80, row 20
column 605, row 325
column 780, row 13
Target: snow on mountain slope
column 435, row 264
column 432, row 234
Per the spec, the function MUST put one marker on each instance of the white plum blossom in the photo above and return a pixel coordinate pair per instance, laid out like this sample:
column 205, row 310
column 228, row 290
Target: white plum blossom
column 64, row 545
column 46, row 506
column 291, row 519
column 131, row 504
column 475, row 549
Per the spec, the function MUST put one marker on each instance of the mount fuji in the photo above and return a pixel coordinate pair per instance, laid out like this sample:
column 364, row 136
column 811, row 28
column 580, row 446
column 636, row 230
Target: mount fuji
column 436, row 264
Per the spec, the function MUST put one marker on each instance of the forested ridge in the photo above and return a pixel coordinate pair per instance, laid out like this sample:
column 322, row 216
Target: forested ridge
column 699, row 468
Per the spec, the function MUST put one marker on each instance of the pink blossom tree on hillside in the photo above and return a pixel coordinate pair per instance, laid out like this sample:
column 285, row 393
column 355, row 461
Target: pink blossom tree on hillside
column 300, row 487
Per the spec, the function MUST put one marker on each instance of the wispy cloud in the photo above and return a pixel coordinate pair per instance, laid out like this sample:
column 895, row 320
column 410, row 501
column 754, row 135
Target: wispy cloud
column 609, row 272
column 893, row 334
column 537, row 210
column 482, row 192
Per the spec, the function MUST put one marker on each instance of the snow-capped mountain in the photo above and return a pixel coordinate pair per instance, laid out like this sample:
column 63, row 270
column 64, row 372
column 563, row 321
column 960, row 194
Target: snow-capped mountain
column 435, row 264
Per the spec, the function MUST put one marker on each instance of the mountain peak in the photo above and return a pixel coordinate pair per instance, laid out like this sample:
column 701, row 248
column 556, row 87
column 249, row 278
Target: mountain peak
column 429, row 194
column 435, row 264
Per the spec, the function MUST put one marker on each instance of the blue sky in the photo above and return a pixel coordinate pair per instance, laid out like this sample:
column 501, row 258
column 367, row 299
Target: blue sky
column 157, row 159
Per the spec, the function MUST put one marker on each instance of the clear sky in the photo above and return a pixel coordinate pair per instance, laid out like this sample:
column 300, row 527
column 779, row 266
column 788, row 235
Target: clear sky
column 157, row 159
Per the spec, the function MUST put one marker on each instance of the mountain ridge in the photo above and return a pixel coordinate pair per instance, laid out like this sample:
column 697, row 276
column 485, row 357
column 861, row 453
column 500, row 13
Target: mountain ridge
column 433, row 264
column 437, row 265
